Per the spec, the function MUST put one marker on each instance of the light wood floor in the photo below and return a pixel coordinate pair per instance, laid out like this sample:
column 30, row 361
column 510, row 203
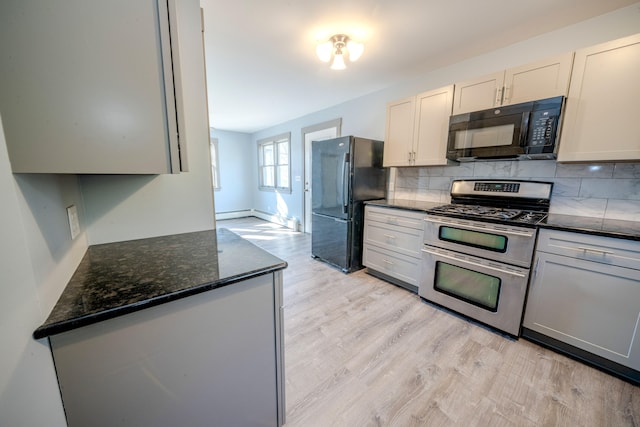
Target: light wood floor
column 362, row 352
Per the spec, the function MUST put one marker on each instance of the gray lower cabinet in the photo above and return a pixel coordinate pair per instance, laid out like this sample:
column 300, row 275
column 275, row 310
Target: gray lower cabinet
column 393, row 239
column 211, row 359
column 585, row 292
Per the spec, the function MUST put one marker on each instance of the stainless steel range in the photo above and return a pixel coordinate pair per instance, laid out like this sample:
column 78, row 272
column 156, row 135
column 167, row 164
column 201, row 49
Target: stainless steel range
column 477, row 251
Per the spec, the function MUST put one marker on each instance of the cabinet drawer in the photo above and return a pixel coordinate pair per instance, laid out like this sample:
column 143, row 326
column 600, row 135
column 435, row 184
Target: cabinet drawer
column 392, row 216
column 392, row 264
column 606, row 250
column 406, row 241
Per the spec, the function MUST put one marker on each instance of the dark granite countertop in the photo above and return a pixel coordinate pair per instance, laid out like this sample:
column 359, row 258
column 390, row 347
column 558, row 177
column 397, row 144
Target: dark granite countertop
column 412, row 205
column 114, row 279
column 629, row 230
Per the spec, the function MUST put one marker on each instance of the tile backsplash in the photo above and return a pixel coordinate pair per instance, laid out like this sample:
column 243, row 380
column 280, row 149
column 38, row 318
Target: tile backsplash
column 602, row 190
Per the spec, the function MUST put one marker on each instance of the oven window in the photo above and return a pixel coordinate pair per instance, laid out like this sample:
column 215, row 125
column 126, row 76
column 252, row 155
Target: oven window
column 477, row 239
column 471, row 286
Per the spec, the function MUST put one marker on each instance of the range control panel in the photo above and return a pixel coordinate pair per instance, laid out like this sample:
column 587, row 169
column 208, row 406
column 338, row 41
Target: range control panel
column 497, row 187
column 543, row 127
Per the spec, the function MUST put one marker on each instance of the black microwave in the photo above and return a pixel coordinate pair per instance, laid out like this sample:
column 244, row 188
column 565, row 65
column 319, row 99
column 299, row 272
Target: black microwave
column 526, row 131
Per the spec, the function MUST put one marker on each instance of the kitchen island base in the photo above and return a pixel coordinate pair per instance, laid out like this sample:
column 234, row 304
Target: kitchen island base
column 215, row 358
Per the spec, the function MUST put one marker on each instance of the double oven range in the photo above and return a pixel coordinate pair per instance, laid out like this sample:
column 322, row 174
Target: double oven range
column 478, row 250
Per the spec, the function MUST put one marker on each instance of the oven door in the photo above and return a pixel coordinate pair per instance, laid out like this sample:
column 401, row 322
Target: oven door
column 512, row 245
column 483, row 290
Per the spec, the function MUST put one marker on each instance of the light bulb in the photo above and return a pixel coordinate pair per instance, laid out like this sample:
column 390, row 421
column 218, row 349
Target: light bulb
column 355, row 50
column 323, row 50
column 338, row 62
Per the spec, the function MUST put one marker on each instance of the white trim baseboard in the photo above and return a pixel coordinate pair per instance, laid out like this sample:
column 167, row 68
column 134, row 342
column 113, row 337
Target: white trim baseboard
column 292, row 223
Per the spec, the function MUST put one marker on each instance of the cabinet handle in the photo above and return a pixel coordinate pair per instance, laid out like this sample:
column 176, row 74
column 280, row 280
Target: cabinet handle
column 535, row 270
column 498, row 96
column 386, row 261
column 409, row 156
column 506, row 94
column 597, row 251
column 389, row 236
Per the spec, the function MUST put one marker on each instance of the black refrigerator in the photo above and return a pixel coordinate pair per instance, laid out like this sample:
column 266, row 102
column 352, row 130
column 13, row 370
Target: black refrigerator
column 345, row 172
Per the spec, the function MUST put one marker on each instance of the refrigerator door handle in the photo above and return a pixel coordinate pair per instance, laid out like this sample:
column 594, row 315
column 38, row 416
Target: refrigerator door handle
column 345, row 183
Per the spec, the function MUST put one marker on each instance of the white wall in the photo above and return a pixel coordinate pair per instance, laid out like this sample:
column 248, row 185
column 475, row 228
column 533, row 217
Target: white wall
column 237, row 178
column 366, row 116
column 131, row 207
column 36, row 260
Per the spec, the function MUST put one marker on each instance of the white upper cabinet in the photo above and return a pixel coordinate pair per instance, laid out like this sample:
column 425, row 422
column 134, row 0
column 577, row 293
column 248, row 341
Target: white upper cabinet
column 398, row 141
column 431, row 131
column 478, row 94
column 538, row 80
column 417, row 129
column 603, row 107
column 90, row 87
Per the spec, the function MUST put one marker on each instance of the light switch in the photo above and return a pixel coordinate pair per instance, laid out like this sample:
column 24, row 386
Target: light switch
column 74, row 222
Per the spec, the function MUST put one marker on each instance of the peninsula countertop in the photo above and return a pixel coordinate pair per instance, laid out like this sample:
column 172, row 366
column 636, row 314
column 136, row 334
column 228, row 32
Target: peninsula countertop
column 114, row 279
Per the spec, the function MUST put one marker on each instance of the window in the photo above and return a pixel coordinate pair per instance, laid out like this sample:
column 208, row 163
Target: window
column 274, row 163
column 215, row 170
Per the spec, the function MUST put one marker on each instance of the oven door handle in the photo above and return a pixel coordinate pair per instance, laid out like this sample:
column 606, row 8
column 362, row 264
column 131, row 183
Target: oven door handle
column 485, row 229
column 467, row 261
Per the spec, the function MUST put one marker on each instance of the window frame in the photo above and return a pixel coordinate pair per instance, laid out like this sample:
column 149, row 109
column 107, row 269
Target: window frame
column 215, row 168
column 274, row 142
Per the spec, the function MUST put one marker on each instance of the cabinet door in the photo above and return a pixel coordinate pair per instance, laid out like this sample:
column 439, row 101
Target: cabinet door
column 601, row 117
column 398, row 142
column 478, row 94
column 538, row 80
column 589, row 305
column 87, row 87
column 431, row 130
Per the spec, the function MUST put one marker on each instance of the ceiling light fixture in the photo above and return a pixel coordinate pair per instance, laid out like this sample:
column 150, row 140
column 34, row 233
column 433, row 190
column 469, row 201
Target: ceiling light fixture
column 338, row 47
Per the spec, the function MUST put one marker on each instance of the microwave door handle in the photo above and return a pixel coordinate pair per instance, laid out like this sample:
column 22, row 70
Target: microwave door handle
column 524, row 129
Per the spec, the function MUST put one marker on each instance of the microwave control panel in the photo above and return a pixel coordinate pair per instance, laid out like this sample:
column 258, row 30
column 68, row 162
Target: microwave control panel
column 542, row 127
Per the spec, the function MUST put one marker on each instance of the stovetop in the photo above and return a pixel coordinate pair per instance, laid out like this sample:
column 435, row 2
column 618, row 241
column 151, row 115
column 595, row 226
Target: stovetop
column 501, row 201
column 493, row 214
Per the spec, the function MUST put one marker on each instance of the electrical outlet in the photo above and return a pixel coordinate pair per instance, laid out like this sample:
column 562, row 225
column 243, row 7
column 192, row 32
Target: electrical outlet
column 74, row 222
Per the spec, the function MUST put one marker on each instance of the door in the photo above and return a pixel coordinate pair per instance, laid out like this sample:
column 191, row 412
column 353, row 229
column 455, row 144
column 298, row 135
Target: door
column 478, row 94
column 319, row 132
column 331, row 240
column 589, row 305
column 398, row 147
column 330, row 177
column 431, row 130
column 95, row 104
column 539, row 80
column 601, row 118
column 484, row 290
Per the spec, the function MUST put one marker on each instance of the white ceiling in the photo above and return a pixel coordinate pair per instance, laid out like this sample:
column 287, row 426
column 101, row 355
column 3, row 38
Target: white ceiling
column 261, row 63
